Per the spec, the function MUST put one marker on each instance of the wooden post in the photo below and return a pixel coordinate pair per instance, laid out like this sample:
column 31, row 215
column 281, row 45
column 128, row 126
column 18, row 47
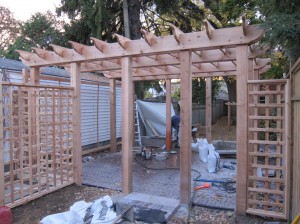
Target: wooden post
column 113, row 138
column 2, row 182
column 76, row 110
column 208, row 109
column 33, row 151
column 25, row 75
column 287, row 146
column 242, row 128
column 185, row 126
column 168, row 115
column 127, row 124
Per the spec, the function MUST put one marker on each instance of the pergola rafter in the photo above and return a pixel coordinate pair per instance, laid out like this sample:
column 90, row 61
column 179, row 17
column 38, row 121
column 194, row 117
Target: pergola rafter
column 209, row 53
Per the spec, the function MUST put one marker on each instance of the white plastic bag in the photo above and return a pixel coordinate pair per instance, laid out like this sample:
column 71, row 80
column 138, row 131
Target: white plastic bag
column 69, row 217
column 203, row 150
column 213, row 159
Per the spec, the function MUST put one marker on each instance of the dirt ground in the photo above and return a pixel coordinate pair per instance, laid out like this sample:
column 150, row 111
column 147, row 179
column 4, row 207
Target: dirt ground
column 60, row 201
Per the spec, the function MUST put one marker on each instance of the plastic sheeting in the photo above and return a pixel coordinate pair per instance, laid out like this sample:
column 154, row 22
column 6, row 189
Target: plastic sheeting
column 153, row 116
column 81, row 212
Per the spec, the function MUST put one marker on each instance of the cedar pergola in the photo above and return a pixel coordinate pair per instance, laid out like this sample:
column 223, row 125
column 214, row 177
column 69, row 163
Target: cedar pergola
column 209, row 53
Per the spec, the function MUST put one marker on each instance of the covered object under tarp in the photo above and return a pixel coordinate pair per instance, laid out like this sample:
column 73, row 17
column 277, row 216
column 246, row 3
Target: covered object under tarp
column 153, row 117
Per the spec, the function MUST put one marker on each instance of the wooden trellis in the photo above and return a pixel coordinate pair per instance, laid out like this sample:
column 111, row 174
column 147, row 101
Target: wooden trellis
column 269, row 148
column 37, row 141
column 209, row 53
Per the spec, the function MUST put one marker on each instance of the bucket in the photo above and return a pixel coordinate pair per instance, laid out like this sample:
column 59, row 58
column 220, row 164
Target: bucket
column 5, row 215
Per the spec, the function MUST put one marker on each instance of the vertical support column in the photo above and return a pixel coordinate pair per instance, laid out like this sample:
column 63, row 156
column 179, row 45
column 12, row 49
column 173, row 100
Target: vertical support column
column 208, row 109
column 76, row 119
column 242, row 128
column 113, row 138
column 168, row 115
column 127, row 124
column 2, row 182
column 33, row 152
column 185, row 126
column 25, row 75
column 34, row 75
column 287, row 146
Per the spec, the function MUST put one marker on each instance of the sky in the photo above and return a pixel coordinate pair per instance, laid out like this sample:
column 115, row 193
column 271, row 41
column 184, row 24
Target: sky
column 23, row 9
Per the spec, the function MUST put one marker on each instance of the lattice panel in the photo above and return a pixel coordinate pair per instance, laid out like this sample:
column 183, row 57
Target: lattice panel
column 37, row 141
column 268, row 149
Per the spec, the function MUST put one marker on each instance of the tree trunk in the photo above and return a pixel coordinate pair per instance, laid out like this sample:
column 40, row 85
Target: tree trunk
column 134, row 9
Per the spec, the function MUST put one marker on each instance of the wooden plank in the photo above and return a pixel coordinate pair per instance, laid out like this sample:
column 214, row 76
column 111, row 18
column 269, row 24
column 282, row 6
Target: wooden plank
column 266, row 191
column 11, row 154
column 264, row 213
column 208, row 108
column 127, row 124
column 266, row 117
column 296, row 158
column 36, row 85
column 168, row 115
column 76, row 119
column 2, row 182
column 100, row 148
column 287, row 151
column 242, row 128
column 185, row 126
column 167, row 44
column 113, row 135
column 268, row 81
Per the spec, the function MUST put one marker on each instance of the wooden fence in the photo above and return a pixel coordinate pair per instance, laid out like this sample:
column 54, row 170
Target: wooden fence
column 36, row 141
column 295, row 160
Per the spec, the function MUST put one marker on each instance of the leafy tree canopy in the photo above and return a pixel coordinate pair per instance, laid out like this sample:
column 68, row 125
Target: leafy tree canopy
column 39, row 31
column 9, row 27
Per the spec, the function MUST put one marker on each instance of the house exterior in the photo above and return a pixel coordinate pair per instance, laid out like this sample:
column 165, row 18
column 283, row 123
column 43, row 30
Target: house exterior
column 95, row 104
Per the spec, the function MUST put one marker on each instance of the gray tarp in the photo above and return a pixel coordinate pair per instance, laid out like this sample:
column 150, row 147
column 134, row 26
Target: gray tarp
column 153, row 116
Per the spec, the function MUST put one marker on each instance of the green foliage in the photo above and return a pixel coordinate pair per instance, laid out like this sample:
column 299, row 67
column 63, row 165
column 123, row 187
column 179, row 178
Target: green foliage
column 176, row 94
column 39, row 31
column 282, row 19
column 279, row 63
column 148, row 94
column 94, row 18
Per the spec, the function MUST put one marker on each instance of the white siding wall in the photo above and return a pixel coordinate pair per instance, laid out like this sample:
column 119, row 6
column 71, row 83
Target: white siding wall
column 89, row 110
column 89, row 113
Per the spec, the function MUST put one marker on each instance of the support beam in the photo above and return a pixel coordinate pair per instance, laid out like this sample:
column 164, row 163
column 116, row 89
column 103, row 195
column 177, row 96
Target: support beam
column 113, row 138
column 196, row 41
column 127, row 124
column 185, row 127
column 208, row 109
column 76, row 110
column 168, row 116
column 242, row 128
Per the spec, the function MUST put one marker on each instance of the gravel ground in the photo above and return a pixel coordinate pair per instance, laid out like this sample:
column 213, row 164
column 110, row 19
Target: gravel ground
column 61, row 200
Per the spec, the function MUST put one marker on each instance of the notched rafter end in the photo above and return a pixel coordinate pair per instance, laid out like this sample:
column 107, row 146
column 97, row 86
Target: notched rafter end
column 177, row 33
column 208, row 28
column 42, row 53
column 149, row 37
column 25, row 54
column 244, row 24
column 58, row 49
column 77, row 46
column 99, row 44
column 123, row 41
